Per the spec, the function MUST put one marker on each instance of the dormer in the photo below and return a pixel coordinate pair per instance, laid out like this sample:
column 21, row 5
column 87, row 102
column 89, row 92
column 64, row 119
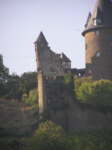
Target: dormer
column 101, row 16
column 98, row 19
column 66, row 63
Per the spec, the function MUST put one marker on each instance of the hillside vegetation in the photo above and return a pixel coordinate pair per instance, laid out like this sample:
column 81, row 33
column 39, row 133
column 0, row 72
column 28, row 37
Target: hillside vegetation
column 16, row 119
column 19, row 114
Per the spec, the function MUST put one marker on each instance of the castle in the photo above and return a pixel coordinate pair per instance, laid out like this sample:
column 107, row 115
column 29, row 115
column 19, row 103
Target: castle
column 50, row 63
column 98, row 49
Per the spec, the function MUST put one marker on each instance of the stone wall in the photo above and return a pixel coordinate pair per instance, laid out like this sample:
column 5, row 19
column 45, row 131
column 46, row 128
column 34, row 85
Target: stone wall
column 72, row 117
column 47, row 61
column 99, row 54
column 87, row 118
column 42, row 92
column 76, row 118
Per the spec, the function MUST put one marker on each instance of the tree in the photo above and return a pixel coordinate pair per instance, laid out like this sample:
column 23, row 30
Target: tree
column 27, row 82
column 32, row 100
column 78, row 81
column 4, row 74
column 12, row 86
column 48, row 136
column 98, row 93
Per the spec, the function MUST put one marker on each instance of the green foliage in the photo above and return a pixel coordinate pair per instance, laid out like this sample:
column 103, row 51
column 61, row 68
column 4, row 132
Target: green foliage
column 79, row 81
column 11, row 87
column 27, row 82
column 48, row 136
column 91, row 140
column 67, row 85
column 46, row 114
column 9, row 144
column 4, row 74
column 98, row 93
column 32, row 100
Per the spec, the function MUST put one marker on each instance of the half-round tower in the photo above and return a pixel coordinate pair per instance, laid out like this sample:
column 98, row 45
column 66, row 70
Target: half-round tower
column 98, row 41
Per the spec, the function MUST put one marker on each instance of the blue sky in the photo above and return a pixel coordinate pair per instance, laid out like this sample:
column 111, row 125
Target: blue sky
column 61, row 21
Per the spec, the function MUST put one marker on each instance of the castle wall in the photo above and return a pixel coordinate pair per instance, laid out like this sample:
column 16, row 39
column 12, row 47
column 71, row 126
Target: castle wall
column 88, row 118
column 60, row 117
column 42, row 92
column 47, row 60
column 76, row 118
column 72, row 117
column 99, row 65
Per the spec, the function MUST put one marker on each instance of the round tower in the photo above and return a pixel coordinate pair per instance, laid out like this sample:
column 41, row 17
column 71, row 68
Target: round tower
column 98, row 41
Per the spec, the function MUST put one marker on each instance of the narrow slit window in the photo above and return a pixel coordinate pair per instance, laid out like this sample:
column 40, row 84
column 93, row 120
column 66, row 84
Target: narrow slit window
column 86, row 46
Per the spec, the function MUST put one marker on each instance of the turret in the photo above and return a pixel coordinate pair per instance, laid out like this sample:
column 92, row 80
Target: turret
column 47, row 61
column 98, row 41
column 40, row 45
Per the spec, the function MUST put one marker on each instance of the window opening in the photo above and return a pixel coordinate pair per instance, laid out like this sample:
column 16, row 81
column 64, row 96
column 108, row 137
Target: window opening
column 98, row 54
column 97, row 32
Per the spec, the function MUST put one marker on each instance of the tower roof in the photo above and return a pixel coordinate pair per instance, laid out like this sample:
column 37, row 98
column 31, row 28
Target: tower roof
column 64, row 58
column 41, row 38
column 89, row 16
column 101, row 16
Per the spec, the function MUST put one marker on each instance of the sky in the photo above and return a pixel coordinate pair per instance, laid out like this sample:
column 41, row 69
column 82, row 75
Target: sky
column 61, row 21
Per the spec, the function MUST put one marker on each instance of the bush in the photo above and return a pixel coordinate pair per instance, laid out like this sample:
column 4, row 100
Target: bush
column 91, row 140
column 98, row 93
column 48, row 136
column 32, row 100
column 79, row 81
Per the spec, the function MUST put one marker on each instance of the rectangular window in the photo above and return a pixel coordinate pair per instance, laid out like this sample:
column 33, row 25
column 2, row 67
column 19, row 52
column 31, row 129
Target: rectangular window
column 97, row 32
column 98, row 54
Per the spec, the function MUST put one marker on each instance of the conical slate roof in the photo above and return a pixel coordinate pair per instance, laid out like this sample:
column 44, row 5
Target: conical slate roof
column 89, row 16
column 41, row 38
column 102, row 11
column 98, row 14
column 64, row 58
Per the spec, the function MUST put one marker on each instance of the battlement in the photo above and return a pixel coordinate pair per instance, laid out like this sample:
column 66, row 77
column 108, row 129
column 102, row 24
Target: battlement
column 54, row 79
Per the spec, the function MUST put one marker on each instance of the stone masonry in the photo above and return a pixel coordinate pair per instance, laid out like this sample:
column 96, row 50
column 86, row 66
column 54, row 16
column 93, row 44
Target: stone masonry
column 99, row 54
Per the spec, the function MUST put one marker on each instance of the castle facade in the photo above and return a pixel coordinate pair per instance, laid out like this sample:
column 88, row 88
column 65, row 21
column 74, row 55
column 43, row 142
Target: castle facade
column 98, row 49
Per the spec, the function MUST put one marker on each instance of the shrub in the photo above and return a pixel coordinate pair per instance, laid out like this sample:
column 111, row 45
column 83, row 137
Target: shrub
column 48, row 136
column 32, row 100
column 98, row 93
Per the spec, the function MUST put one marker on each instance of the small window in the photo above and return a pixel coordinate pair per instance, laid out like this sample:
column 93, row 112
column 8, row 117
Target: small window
column 97, row 32
column 98, row 54
column 97, row 21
